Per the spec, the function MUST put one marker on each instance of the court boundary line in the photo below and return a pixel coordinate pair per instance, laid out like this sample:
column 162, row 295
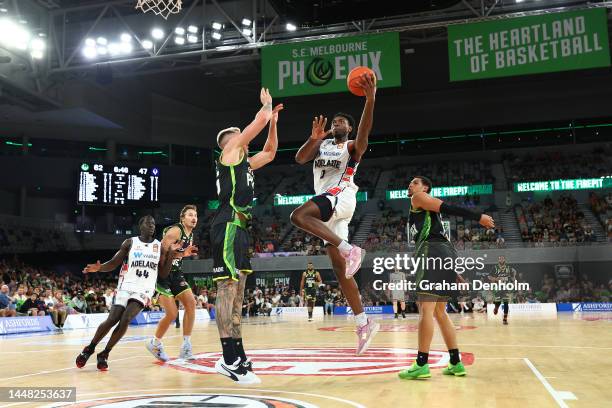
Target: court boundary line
column 63, row 369
column 557, row 395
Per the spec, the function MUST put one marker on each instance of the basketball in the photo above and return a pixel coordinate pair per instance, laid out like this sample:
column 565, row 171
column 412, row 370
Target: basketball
column 354, row 77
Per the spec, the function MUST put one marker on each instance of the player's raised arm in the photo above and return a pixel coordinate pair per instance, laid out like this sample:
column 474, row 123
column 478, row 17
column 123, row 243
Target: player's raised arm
column 114, row 262
column 269, row 151
column 360, row 145
column 310, row 149
column 262, row 118
column 426, row 202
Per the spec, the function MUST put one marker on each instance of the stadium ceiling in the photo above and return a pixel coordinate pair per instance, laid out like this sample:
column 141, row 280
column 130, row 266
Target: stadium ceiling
column 83, row 36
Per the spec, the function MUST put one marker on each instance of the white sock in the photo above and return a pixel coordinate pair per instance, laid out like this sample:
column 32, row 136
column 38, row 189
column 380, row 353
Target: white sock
column 345, row 247
column 156, row 341
column 186, row 339
column 361, row 319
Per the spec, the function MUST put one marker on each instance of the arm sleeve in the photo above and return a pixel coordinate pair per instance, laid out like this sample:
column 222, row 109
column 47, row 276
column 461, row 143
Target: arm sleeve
column 451, row 209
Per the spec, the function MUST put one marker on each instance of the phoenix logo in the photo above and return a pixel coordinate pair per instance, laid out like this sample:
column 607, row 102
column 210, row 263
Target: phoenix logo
column 319, row 72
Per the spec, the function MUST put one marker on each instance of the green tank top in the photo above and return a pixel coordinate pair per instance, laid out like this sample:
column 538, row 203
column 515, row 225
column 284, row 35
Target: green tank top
column 311, row 279
column 503, row 272
column 185, row 240
column 235, row 188
column 425, row 226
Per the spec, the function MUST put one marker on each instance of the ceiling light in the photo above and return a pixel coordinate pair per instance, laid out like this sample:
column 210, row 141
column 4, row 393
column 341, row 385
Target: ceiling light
column 37, row 44
column 157, row 33
column 179, row 40
column 147, row 44
column 90, row 52
column 246, row 22
column 114, row 49
column 247, row 31
column 179, row 30
column 37, row 54
column 102, row 50
column 216, row 35
column 217, row 26
column 125, row 37
column 192, row 38
column 126, row 47
column 192, row 29
column 102, row 41
column 291, row 27
column 90, row 42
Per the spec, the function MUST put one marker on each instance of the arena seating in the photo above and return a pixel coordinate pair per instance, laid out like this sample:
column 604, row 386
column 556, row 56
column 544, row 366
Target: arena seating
column 559, row 165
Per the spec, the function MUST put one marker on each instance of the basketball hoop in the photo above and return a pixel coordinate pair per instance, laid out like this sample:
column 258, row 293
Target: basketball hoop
column 160, row 7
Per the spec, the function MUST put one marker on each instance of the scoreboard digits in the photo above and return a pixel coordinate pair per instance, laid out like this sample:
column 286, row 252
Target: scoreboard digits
column 118, row 185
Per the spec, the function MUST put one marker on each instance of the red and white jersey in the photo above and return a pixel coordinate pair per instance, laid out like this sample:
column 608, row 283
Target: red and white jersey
column 334, row 168
column 139, row 273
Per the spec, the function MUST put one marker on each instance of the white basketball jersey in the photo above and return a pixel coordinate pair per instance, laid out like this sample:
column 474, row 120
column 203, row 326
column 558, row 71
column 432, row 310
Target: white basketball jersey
column 334, row 168
column 139, row 274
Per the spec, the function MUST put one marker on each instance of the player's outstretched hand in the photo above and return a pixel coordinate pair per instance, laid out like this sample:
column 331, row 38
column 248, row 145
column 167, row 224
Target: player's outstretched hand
column 275, row 111
column 487, row 221
column 91, row 268
column 265, row 97
column 369, row 85
column 318, row 128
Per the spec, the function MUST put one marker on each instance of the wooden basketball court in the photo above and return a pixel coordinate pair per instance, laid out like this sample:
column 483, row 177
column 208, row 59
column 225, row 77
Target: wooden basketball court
column 533, row 362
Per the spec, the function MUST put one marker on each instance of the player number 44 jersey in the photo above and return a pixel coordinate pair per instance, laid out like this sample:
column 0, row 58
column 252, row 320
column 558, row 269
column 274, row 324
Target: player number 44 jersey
column 333, row 168
column 139, row 273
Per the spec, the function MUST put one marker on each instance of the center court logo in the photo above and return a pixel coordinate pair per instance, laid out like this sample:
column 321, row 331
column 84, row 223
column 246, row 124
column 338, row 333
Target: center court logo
column 195, row 400
column 322, row 361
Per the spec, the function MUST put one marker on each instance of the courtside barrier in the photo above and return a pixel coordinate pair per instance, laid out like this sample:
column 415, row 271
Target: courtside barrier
column 525, row 308
column 585, row 307
column 296, row 311
column 84, row 321
column 370, row 310
column 26, row 324
column 154, row 317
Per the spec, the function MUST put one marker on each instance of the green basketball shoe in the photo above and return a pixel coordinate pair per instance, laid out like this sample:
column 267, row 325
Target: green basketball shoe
column 415, row 371
column 457, row 370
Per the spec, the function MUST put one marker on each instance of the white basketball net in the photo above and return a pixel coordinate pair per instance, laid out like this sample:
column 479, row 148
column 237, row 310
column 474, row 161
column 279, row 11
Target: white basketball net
column 160, row 7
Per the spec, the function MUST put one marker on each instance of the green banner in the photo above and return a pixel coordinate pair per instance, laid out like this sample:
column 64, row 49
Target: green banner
column 362, row 196
column 447, row 191
column 315, row 67
column 529, row 45
column 560, row 185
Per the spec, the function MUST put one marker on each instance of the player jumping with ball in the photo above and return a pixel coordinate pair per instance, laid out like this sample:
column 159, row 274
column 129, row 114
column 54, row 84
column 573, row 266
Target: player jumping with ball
column 328, row 214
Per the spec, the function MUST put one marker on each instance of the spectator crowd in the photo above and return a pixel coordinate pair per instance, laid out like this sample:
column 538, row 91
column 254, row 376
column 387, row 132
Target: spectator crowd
column 559, row 222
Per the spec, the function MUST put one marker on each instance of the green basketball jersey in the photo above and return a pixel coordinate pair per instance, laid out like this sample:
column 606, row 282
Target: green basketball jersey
column 185, row 241
column 311, row 279
column 235, row 187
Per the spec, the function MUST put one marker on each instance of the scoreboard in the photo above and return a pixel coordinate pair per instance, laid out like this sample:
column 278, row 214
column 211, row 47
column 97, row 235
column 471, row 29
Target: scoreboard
column 103, row 184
